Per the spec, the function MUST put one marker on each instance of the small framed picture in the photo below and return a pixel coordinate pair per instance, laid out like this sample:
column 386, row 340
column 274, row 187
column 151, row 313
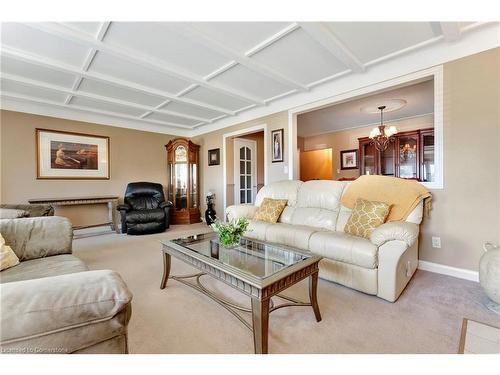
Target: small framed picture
column 214, row 156
column 65, row 156
column 349, row 159
column 277, row 146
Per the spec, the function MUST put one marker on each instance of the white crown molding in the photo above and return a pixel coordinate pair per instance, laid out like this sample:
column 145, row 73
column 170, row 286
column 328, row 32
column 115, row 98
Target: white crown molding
column 461, row 273
column 43, row 109
column 482, row 39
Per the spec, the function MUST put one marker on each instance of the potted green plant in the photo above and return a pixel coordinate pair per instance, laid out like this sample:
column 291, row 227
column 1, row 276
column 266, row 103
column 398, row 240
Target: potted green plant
column 230, row 233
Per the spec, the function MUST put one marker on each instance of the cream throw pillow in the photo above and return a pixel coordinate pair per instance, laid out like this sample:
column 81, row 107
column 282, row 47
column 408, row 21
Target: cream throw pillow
column 365, row 217
column 8, row 257
column 270, row 210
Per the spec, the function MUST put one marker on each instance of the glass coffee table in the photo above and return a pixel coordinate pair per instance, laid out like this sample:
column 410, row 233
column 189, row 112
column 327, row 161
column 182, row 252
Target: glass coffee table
column 257, row 269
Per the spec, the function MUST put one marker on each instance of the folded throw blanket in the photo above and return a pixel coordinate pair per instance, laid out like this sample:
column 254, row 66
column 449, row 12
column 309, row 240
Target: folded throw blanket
column 403, row 195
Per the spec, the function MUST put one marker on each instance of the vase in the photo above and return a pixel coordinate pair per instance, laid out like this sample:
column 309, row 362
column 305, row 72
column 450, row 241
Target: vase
column 210, row 214
column 230, row 244
column 489, row 275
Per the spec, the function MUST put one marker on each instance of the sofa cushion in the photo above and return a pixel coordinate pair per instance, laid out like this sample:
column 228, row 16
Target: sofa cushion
column 321, row 194
column 344, row 247
column 43, row 267
column 145, row 216
column 315, row 217
column 286, row 189
column 11, row 213
column 257, row 229
column 290, row 235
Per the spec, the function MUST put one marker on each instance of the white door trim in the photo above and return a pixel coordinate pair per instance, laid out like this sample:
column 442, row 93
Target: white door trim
column 435, row 72
column 253, row 129
column 236, row 168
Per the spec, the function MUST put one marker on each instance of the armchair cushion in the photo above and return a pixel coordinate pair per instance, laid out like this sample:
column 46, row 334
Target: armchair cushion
column 165, row 204
column 395, row 230
column 38, row 237
column 12, row 213
column 33, row 309
column 145, row 216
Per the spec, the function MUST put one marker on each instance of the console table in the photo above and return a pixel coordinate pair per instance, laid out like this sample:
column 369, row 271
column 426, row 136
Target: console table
column 110, row 200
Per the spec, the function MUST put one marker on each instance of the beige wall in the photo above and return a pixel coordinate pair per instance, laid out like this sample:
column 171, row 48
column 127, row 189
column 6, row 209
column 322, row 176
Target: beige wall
column 348, row 139
column 466, row 212
column 135, row 156
column 211, row 176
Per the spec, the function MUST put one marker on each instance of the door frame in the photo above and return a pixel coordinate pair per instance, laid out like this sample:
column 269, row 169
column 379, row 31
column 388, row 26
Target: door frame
column 254, row 167
column 250, row 130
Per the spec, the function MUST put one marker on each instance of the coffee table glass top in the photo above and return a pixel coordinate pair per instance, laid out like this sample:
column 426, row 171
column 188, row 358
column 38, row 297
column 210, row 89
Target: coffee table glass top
column 252, row 257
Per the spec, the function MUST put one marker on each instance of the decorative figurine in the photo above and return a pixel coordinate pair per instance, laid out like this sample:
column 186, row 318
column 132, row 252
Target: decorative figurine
column 210, row 212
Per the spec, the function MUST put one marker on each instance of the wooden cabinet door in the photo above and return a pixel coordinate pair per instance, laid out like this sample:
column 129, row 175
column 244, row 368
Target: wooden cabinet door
column 369, row 157
column 407, row 155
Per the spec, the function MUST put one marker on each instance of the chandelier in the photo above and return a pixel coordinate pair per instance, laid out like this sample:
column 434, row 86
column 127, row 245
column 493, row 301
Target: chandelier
column 380, row 136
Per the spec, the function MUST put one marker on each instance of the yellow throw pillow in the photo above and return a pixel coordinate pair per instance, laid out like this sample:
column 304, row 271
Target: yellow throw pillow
column 365, row 217
column 270, row 210
column 8, row 257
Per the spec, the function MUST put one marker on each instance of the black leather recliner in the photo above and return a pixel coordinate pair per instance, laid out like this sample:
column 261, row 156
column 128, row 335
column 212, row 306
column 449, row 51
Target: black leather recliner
column 144, row 210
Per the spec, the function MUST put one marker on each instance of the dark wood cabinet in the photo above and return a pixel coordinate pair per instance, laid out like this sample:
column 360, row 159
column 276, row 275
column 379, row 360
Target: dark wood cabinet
column 183, row 181
column 410, row 156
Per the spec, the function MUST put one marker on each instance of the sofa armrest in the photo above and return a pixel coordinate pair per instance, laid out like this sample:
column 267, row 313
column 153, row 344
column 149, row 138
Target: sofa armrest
column 124, row 207
column 395, row 231
column 38, row 237
column 34, row 210
column 38, row 309
column 241, row 210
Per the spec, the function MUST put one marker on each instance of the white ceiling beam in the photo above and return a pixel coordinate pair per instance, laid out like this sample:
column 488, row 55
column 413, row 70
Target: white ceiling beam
column 85, row 94
column 33, row 99
column 49, row 63
column 451, row 31
column 137, row 57
column 272, row 39
column 197, row 35
column 103, row 28
column 328, row 40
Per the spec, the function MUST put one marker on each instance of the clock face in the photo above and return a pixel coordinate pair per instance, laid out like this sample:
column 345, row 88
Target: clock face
column 180, row 154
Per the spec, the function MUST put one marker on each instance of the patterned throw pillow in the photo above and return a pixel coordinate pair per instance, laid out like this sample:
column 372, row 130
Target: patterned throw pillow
column 8, row 257
column 365, row 217
column 270, row 210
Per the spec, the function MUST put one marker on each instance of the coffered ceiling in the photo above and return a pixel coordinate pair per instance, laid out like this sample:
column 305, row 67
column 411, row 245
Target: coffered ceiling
column 180, row 77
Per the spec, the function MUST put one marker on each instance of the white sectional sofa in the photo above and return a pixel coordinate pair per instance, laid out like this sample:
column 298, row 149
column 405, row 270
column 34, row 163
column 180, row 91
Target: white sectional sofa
column 314, row 220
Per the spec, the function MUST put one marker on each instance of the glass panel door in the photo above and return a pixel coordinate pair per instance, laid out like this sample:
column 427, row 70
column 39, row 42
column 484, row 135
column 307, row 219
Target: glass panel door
column 387, row 161
column 408, row 161
column 427, row 146
column 245, row 179
column 369, row 159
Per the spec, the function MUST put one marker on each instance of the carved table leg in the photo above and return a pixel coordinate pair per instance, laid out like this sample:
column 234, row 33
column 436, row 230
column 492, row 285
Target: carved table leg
column 167, row 259
column 313, row 286
column 260, row 319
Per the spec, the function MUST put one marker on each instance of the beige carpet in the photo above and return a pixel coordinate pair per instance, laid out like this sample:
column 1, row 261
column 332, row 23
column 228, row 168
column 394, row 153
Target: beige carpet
column 427, row 318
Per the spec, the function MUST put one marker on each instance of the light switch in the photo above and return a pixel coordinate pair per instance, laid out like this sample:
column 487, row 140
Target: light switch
column 436, row 242
column 285, row 169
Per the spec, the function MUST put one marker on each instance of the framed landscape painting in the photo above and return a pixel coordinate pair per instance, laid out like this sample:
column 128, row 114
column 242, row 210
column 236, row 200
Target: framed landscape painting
column 64, row 155
column 349, row 159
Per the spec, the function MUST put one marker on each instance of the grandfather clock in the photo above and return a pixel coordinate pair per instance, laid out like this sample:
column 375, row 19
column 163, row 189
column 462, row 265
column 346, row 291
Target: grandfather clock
column 183, row 181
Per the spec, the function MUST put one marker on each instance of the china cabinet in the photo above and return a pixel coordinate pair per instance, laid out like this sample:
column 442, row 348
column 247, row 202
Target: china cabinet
column 410, row 155
column 183, row 181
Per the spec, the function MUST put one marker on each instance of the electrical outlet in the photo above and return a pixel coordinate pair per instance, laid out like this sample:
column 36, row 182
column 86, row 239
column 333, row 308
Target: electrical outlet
column 436, row 242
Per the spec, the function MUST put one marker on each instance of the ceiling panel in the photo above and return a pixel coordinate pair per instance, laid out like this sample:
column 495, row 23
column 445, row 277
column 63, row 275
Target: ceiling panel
column 29, row 90
column 317, row 63
column 106, row 64
column 106, row 106
column 91, row 28
column 36, row 72
column 214, row 98
column 118, row 92
column 192, row 110
column 253, row 83
column 158, row 40
column 240, row 36
column 371, row 40
column 20, row 36
column 171, row 118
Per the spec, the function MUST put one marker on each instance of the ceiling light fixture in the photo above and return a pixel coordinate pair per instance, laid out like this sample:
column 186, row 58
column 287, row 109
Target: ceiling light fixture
column 380, row 136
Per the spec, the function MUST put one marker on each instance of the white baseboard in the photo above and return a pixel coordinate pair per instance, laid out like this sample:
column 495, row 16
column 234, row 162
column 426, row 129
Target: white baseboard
column 461, row 273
